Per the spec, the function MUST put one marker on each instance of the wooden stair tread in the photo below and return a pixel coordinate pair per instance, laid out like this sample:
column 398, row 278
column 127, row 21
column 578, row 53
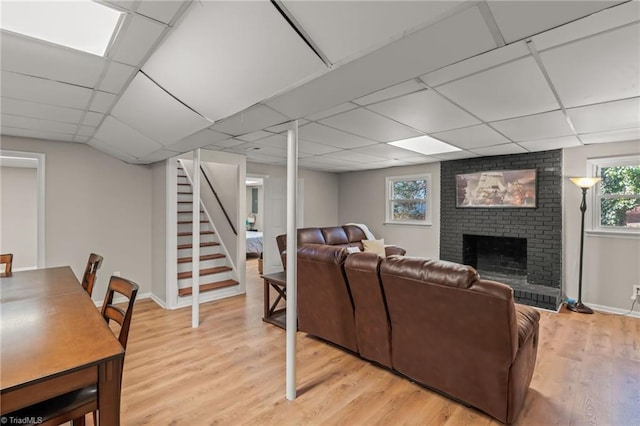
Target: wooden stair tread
column 185, row 192
column 189, row 245
column 185, row 211
column 202, row 258
column 208, row 287
column 204, row 272
column 182, row 222
column 186, row 234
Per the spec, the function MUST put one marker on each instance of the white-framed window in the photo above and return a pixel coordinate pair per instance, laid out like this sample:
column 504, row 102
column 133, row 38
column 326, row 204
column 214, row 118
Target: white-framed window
column 616, row 198
column 408, row 199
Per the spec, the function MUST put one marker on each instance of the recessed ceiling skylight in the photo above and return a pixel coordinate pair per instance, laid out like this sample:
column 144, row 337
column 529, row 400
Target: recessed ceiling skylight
column 80, row 24
column 425, row 145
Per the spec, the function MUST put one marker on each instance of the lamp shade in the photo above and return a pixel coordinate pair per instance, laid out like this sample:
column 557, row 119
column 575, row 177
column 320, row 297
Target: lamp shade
column 585, row 182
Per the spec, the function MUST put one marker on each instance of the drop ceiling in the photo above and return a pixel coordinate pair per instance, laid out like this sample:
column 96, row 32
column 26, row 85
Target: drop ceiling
column 488, row 77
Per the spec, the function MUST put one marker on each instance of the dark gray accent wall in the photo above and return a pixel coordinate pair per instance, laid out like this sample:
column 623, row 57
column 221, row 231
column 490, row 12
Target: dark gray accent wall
column 541, row 226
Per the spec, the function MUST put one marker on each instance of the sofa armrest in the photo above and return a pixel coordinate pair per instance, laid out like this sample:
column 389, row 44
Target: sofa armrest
column 526, row 321
column 391, row 250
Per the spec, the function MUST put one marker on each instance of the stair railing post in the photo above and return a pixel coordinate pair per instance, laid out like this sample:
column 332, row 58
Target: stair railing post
column 292, row 259
column 195, row 243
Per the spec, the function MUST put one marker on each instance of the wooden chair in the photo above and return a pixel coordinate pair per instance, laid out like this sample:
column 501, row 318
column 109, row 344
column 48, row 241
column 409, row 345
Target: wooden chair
column 6, row 260
column 73, row 406
column 89, row 277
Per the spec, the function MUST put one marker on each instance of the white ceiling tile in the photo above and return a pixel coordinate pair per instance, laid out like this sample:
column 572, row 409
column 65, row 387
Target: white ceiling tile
column 405, row 88
column 254, row 136
column 34, row 57
column 138, row 36
column 45, row 91
column 37, row 124
column 86, row 130
column 247, row 46
column 81, row 139
column 92, row 118
column 476, row 64
column 36, row 134
column 370, row 125
column 426, row 111
column 324, row 135
column 250, row 120
column 102, row 101
column 124, row 4
column 458, row 155
column 355, row 156
column 387, row 151
column 161, row 154
column 600, row 68
column 285, row 126
column 509, row 148
column 388, row 163
column 116, row 77
column 472, row 137
column 198, row 140
column 43, row 111
column 153, row 112
column 125, row 139
column 520, row 19
column 552, row 143
column 160, row 10
column 326, row 161
column 623, row 114
column 612, row 136
column 110, row 150
column 613, row 17
column 466, row 35
column 359, row 26
column 277, row 141
column 332, row 111
column 540, row 126
column 509, row 90
column 227, row 143
column 315, row 148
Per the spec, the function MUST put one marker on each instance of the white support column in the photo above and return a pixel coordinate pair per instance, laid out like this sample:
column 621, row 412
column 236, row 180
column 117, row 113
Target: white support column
column 195, row 241
column 292, row 258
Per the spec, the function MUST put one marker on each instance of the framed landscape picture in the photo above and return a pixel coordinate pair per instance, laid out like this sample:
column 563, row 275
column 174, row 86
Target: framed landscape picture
column 503, row 188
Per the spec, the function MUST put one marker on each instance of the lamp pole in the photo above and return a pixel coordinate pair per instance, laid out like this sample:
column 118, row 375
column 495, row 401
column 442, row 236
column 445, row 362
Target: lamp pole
column 583, row 184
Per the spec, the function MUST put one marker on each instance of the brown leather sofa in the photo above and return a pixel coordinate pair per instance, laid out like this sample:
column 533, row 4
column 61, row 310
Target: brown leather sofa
column 434, row 322
column 325, row 304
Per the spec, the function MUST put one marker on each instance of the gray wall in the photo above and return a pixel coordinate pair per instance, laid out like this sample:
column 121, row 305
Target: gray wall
column 158, row 230
column 19, row 215
column 94, row 203
column 362, row 200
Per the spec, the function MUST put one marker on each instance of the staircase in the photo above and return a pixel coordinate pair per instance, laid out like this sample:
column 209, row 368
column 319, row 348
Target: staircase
column 215, row 268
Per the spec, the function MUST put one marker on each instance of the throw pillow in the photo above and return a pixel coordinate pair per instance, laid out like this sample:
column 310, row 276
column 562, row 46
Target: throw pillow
column 353, row 250
column 374, row 246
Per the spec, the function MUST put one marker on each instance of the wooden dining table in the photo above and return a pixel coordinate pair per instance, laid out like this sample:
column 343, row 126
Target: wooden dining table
column 53, row 340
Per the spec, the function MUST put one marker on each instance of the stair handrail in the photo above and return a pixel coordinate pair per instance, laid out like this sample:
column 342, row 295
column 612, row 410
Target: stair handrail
column 219, row 201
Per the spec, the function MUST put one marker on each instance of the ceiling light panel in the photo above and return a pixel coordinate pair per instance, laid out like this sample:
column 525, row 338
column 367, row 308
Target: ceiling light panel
column 35, row 89
column 623, row 114
column 607, row 64
column 551, row 143
column 125, row 139
column 386, row 151
column 153, row 112
column 510, row 90
column 359, row 26
column 472, row 137
column 426, row 111
column 611, row 136
column 370, row 125
column 163, row 11
column 81, row 24
column 29, row 56
column 324, row 135
column 425, row 145
column 506, row 149
column 239, row 53
column 520, row 19
column 540, row 126
column 466, row 34
column 43, row 111
column 137, row 37
column 116, row 77
column 250, row 120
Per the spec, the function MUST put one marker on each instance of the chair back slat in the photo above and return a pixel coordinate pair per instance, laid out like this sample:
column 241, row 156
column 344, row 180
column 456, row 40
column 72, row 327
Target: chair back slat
column 128, row 289
column 89, row 278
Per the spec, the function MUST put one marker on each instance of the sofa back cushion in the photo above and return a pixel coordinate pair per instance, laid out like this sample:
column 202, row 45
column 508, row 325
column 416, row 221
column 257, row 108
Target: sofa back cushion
column 355, row 235
column 310, row 236
column 372, row 321
column 335, row 235
column 451, row 330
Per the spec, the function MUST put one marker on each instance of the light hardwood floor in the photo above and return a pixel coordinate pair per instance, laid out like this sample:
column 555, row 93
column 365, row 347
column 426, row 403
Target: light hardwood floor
column 231, row 371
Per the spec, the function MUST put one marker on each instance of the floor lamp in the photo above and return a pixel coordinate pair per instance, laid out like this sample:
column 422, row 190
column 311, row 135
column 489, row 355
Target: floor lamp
column 584, row 184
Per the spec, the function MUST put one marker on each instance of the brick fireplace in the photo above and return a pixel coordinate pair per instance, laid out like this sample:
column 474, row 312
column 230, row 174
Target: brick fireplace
column 521, row 247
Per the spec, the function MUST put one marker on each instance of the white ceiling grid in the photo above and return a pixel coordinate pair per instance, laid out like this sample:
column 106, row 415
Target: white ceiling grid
column 230, row 75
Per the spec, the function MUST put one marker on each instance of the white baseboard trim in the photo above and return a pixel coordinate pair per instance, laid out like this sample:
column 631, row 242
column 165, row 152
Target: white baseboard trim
column 28, row 268
column 158, row 301
column 608, row 309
